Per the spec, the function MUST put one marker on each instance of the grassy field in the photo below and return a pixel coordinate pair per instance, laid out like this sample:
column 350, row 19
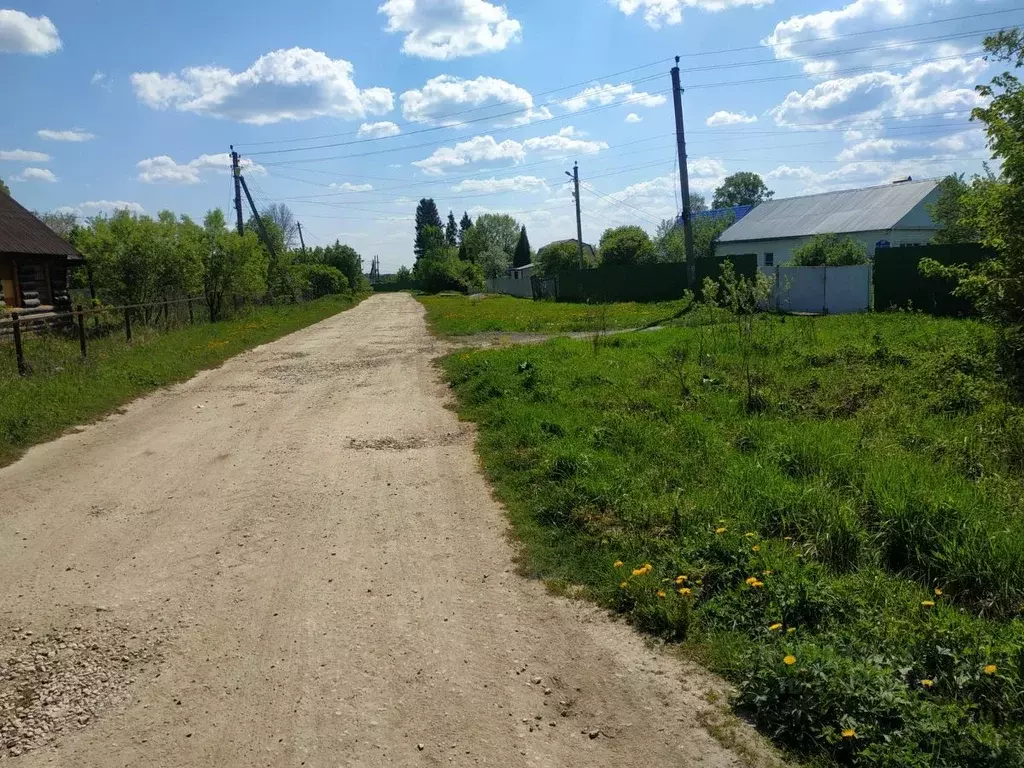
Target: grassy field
column 826, row 510
column 462, row 316
column 63, row 390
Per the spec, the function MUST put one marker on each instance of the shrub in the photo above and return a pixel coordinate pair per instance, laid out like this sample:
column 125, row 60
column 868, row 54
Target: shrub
column 316, row 280
column 449, row 274
column 627, row 245
column 830, row 251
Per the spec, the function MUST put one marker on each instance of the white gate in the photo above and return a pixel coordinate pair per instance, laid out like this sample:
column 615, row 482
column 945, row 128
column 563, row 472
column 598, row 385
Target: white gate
column 823, row 290
column 512, row 286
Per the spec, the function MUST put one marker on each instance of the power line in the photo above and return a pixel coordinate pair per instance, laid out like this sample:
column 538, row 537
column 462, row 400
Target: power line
column 891, row 45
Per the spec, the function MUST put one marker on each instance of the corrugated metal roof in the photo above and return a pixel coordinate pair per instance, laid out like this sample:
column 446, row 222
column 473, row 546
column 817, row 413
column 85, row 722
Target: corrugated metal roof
column 21, row 232
column 850, row 210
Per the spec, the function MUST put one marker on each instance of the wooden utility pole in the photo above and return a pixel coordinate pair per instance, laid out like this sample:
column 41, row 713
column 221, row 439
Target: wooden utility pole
column 301, row 241
column 236, row 172
column 575, row 176
column 684, row 178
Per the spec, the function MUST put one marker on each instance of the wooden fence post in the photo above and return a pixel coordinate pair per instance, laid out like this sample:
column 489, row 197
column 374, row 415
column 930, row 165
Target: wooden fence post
column 191, row 318
column 128, row 324
column 18, row 351
column 81, row 330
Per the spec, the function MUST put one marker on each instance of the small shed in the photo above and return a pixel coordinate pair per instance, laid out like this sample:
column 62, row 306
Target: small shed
column 886, row 216
column 34, row 261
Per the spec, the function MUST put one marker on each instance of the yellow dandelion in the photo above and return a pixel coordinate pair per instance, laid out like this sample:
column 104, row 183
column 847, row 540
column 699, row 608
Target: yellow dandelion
column 757, row 584
column 624, row 584
column 752, row 580
column 849, row 733
column 756, row 548
column 990, row 669
column 661, row 593
column 699, row 582
column 790, row 660
column 775, row 627
column 928, row 603
column 720, row 531
column 938, row 592
column 681, row 579
column 768, row 573
column 750, row 535
column 791, row 630
column 685, row 591
column 927, row 683
column 619, row 563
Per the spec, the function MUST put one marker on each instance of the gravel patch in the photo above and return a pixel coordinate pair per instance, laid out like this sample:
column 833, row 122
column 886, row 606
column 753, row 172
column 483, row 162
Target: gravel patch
column 64, row 680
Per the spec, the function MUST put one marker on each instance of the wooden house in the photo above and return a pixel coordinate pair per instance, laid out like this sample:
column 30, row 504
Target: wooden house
column 34, row 261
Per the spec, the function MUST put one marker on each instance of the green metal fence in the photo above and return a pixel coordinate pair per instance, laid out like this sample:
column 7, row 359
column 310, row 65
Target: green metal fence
column 645, row 282
column 899, row 283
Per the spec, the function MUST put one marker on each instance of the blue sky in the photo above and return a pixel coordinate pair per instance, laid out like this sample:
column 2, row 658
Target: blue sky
column 352, row 111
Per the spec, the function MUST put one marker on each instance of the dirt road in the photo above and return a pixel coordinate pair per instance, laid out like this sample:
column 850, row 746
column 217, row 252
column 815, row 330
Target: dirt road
column 294, row 560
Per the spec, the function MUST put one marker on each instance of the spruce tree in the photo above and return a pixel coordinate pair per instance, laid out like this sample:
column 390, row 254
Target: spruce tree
column 426, row 216
column 522, row 255
column 451, row 232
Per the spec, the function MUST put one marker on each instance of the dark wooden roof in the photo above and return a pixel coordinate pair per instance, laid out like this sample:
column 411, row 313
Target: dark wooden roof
column 22, row 233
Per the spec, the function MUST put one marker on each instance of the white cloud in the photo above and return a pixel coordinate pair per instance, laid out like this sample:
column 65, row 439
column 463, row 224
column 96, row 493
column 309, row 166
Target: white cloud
column 93, row 207
column 788, row 172
column 633, row 117
column 658, row 12
column 292, row 84
column 378, row 130
column 959, row 145
column 942, row 86
column 97, row 78
column 21, row 33
column 513, row 184
column 813, row 37
column 602, row 95
column 484, row 149
column 36, row 174
column 163, row 168
column 479, row 149
column 24, row 156
column 73, row 135
column 724, row 117
column 349, row 187
column 443, row 99
column 448, row 29
column 566, row 141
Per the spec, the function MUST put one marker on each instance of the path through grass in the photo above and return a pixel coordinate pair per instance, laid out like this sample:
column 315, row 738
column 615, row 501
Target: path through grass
column 462, row 316
column 63, row 390
column 827, row 511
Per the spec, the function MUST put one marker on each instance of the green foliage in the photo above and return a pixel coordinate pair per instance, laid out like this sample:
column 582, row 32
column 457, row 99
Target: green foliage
column 627, row 245
column 65, row 390
column 494, row 263
column 863, row 519
column 993, row 207
column 63, row 224
column 495, row 231
column 232, row 264
column 743, row 188
column 952, row 213
column 313, row 281
column 444, row 271
column 465, row 225
column 451, row 232
column 563, row 256
column 670, row 239
column 523, row 253
column 427, row 217
column 4, row 189
column 459, row 316
column 830, row 251
column 342, row 257
column 698, row 203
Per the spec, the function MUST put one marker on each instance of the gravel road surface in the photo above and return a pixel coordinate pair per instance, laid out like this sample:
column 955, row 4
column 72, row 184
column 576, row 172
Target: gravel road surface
column 294, row 560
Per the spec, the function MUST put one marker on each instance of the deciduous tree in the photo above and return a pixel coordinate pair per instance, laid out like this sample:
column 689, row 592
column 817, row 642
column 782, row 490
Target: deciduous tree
column 743, row 188
column 627, row 245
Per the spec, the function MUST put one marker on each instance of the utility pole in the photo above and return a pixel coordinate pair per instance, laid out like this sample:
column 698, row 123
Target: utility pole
column 236, row 172
column 575, row 176
column 301, row 241
column 684, row 178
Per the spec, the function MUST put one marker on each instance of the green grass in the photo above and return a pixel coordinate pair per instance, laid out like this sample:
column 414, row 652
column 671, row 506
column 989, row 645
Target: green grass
column 63, row 390
column 854, row 502
column 462, row 316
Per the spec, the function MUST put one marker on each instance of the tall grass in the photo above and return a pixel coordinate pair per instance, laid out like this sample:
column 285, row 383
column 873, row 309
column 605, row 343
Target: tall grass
column 64, row 390
column 863, row 519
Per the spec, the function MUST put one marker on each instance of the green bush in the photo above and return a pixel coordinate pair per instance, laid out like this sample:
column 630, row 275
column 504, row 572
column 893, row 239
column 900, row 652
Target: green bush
column 449, row 274
column 315, row 280
column 627, row 245
column 830, row 251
